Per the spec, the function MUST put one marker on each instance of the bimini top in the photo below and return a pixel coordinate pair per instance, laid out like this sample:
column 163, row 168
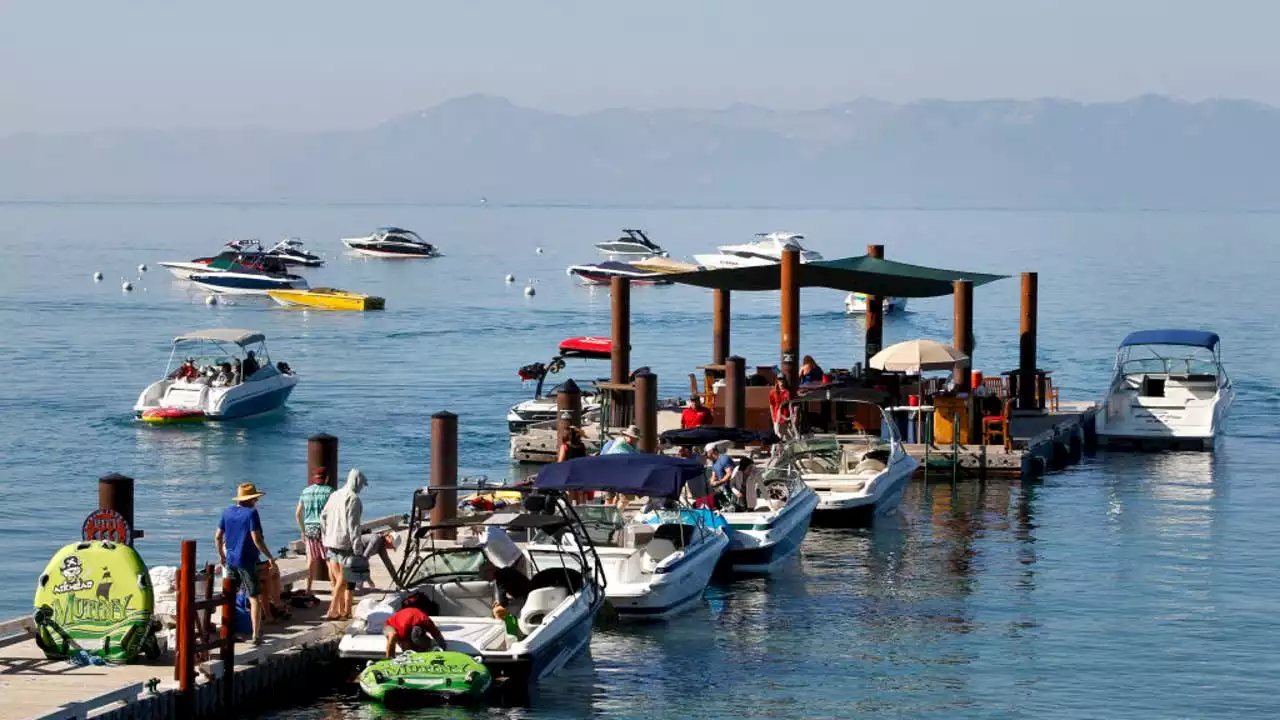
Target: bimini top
column 1192, row 338
column 586, row 347
column 231, row 335
column 627, row 473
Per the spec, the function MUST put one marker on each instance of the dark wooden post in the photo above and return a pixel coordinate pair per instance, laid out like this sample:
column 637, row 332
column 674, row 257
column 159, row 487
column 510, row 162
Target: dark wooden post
column 227, row 653
column 184, row 661
column 962, row 330
column 115, row 492
column 568, row 408
column 620, row 353
column 444, row 470
column 790, row 282
column 1027, row 343
column 874, row 316
column 735, row 392
column 322, row 452
column 647, row 411
column 720, row 328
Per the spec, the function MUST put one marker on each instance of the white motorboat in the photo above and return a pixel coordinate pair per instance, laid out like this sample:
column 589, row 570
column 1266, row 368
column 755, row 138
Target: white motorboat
column 392, row 242
column 234, row 277
column 219, row 374
column 857, row 476
column 633, row 242
column 554, row 616
column 766, row 249
column 291, row 251
column 658, row 563
column 542, row 407
column 855, row 303
column 602, row 273
column 242, row 252
column 1169, row 390
column 769, row 532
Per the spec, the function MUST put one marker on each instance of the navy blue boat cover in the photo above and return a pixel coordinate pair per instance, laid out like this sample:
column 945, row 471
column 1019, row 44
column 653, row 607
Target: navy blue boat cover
column 1193, row 338
column 627, row 473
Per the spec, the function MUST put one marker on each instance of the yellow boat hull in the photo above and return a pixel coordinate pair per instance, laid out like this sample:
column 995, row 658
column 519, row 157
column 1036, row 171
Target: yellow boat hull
column 327, row 299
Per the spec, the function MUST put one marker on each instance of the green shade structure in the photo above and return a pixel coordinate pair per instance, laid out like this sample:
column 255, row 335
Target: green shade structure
column 864, row 274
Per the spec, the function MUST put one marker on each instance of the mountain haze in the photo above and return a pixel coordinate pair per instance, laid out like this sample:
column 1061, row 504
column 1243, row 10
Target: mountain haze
column 1147, row 153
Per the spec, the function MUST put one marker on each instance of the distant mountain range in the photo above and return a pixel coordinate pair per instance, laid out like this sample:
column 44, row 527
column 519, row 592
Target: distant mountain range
column 1147, row 153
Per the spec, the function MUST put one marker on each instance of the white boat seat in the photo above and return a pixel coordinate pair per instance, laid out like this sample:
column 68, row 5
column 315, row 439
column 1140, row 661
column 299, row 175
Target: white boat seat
column 655, row 552
column 539, row 604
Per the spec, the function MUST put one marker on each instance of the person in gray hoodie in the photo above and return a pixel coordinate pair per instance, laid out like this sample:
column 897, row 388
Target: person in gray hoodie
column 339, row 530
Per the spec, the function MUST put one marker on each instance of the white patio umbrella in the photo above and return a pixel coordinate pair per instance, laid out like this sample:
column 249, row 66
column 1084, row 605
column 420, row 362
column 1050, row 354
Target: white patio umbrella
column 914, row 356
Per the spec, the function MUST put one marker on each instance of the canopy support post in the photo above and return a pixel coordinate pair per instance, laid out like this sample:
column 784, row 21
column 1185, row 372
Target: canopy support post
column 962, row 331
column 790, row 282
column 735, row 392
column 568, row 408
column 1027, row 343
column 620, row 352
column 647, row 411
column 444, row 471
column 874, row 316
column 322, row 454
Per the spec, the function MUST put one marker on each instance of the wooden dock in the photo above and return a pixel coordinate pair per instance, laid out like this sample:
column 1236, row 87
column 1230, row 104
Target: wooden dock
column 34, row 687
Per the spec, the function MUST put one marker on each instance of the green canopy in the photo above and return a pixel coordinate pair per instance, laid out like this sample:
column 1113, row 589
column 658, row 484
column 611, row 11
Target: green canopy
column 863, row 274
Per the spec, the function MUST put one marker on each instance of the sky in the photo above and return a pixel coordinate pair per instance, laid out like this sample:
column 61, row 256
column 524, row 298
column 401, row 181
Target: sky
column 84, row 65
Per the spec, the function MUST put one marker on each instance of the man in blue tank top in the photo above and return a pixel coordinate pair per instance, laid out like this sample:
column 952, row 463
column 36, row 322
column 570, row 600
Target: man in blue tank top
column 239, row 540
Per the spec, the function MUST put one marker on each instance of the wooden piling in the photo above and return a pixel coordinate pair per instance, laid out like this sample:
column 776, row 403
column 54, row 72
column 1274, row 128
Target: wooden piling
column 620, row 353
column 874, row 316
column 790, row 345
column 568, row 408
column 647, row 411
column 115, row 492
column 1027, row 343
column 184, row 662
column 735, row 392
column 227, row 652
column 322, row 452
column 444, row 470
column 962, row 330
column 720, row 328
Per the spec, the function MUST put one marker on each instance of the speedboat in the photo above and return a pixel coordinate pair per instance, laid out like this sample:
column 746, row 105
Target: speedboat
column 766, row 249
column 327, row 299
column 855, row 303
column 247, row 253
column 290, row 251
column 1169, row 390
column 769, row 531
column 632, row 242
column 392, row 242
column 235, row 278
column 857, row 476
column 602, row 273
column 204, row 379
column 542, row 407
column 656, row 564
column 541, row 631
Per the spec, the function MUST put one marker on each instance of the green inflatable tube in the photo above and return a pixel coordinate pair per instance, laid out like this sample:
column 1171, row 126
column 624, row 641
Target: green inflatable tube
column 424, row 676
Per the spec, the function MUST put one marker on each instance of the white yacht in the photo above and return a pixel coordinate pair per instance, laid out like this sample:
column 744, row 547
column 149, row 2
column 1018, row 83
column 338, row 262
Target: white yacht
column 857, row 476
column 658, row 563
column 764, row 250
column 392, row 242
column 633, row 242
column 1169, row 390
column 855, row 303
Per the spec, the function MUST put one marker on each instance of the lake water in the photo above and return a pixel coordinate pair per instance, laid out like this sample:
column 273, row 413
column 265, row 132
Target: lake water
column 1131, row 585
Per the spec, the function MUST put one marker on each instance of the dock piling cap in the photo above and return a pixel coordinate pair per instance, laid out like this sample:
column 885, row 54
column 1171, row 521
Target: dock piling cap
column 442, row 415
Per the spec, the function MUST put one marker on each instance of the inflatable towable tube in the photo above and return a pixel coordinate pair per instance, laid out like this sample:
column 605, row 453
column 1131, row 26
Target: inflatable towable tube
column 96, row 595
column 424, row 676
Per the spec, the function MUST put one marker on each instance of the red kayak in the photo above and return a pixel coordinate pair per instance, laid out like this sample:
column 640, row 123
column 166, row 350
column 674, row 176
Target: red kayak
column 168, row 416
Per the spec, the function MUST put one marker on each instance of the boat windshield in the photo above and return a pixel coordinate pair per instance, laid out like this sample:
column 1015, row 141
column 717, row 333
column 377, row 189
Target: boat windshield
column 456, row 564
column 601, row 522
column 1167, row 360
column 213, row 354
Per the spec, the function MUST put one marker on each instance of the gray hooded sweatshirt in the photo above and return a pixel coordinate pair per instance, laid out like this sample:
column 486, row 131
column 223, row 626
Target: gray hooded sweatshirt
column 340, row 518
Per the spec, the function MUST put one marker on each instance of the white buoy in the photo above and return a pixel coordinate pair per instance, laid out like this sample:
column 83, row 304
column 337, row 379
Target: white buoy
column 510, row 278
column 539, row 251
column 211, row 300
column 97, row 277
column 529, row 291
column 127, row 287
column 142, row 268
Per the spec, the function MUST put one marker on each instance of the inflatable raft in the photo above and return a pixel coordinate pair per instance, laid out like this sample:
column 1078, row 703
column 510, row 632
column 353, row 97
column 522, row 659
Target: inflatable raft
column 425, row 677
column 171, row 416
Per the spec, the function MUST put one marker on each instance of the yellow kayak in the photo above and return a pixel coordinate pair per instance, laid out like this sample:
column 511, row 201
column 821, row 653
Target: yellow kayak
column 326, row 299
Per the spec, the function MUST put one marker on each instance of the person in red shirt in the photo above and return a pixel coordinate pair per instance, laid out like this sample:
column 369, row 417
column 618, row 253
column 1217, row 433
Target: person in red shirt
column 779, row 411
column 410, row 628
column 695, row 414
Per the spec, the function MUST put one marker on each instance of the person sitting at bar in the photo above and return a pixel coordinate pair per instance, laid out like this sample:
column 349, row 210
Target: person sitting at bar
column 695, row 414
column 809, row 371
column 411, row 629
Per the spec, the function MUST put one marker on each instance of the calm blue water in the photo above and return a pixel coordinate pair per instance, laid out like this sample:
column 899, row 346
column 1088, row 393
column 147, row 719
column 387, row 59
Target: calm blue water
column 1132, row 585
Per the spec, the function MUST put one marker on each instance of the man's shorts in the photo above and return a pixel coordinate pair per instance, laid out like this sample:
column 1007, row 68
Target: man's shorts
column 248, row 580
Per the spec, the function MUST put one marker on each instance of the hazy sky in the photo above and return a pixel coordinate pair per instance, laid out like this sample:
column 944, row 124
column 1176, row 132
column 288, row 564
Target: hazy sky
column 322, row 64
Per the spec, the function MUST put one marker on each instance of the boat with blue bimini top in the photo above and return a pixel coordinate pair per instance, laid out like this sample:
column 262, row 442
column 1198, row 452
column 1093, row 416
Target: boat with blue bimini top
column 1169, row 390
column 657, row 562
column 521, row 615
column 216, row 374
column 247, row 275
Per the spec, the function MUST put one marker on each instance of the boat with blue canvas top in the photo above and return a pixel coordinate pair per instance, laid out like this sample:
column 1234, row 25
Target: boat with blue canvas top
column 657, row 563
column 1169, row 390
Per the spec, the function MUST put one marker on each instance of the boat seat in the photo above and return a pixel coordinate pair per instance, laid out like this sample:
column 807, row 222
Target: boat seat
column 870, row 466
column 539, row 604
column 655, row 552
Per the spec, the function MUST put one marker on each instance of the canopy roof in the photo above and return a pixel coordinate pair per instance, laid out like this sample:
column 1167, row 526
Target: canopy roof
column 863, row 274
column 628, row 473
column 231, row 335
column 1193, row 338
column 689, row 437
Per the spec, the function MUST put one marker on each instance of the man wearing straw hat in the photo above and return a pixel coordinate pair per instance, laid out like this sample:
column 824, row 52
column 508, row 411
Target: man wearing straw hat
column 239, row 540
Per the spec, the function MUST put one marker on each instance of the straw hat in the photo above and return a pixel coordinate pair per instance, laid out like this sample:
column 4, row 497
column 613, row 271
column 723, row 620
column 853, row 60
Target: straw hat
column 631, row 431
column 248, row 491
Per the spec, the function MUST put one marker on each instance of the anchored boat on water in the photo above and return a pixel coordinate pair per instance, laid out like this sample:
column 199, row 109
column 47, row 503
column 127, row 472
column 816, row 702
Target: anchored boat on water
column 326, row 299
